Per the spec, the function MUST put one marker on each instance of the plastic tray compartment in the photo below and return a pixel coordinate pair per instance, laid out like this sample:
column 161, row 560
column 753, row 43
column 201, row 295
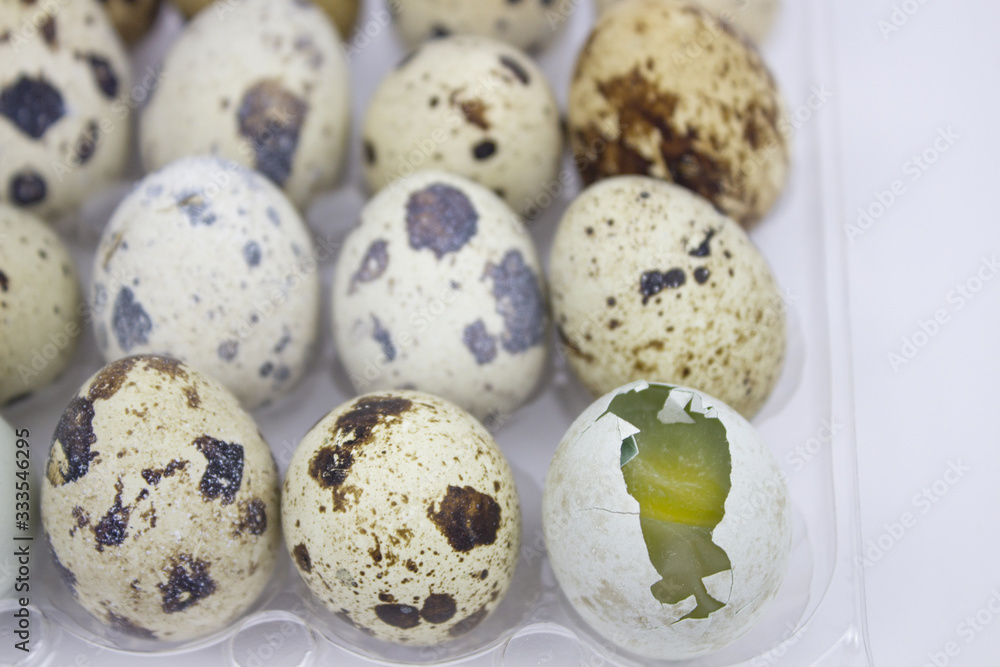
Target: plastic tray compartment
column 818, row 617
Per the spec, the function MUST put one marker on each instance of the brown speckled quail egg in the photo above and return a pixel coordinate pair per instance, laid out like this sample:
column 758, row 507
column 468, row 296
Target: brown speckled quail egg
column 343, row 12
column 664, row 89
column 474, row 107
column 208, row 262
column 64, row 104
column 260, row 82
column 527, row 24
column 667, row 521
column 754, row 17
column 132, row 18
column 40, row 304
column 440, row 289
column 649, row 282
column 160, row 501
column 401, row 515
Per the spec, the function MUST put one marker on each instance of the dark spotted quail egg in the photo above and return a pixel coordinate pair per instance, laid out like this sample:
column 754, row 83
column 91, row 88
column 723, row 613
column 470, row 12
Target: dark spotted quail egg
column 754, row 17
column 649, row 282
column 439, row 289
column 527, row 24
column 401, row 515
column 667, row 521
column 40, row 304
column 64, row 104
column 160, row 501
column 474, row 107
column 343, row 12
column 260, row 82
column 132, row 18
column 664, row 89
column 207, row 261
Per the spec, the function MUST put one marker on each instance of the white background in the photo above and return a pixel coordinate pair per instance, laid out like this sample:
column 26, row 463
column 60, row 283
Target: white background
column 939, row 70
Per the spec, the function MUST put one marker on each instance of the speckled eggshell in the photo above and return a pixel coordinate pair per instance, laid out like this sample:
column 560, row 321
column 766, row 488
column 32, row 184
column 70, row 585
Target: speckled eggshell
column 754, row 17
column 597, row 551
column 16, row 502
column 440, row 289
column 65, row 104
column 649, row 282
column 474, row 107
column 208, row 262
column 40, row 304
column 401, row 515
column 160, row 501
column 260, row 82
column 132, row 18
column 664, row 89
column 343, row 12
column 527, row 24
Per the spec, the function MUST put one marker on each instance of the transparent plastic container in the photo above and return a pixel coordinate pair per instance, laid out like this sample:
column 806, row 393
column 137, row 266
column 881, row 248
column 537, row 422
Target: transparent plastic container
column 818, row 616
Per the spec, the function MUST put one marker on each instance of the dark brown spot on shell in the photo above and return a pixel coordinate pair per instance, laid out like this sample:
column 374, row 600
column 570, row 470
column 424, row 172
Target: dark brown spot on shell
column 129, row 321
column 168, row 366
column 384, row 339
column 188, row 582
column 571, row 346
column 484, row 149
column 254, row 517
column 87, row 143
column 104, row 74
column 653, row 282
column 32, row 105
column 301, row 555
column 373, row 265
column 475, row 113
column 27, row 188
column 193, row 399
column 519, row 301
column 271, row 117
column 701, row 275
column 224, row 472
column 438, row 608
column 110, row 379
column 112, row 529
column 50, row 31
column 466, row 518
column 154, row 475
column 704, row 249
column 516, row 68
column 402, row 616
column 440, row 218
column 75, row 435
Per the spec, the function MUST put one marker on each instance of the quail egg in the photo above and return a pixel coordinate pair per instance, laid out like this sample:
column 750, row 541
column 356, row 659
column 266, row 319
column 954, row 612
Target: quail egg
column 649, row 282
column 439, row 288
column 160, row 501
column 40, row 304
column 260, row 82
column 754, row 17
column 132, row 18
column 401, row 515
column 207, row 261
column 65, row 104
column 664, row 89
column 531, row 24
column 343, row 12
column 667, row 521
column 474, row 107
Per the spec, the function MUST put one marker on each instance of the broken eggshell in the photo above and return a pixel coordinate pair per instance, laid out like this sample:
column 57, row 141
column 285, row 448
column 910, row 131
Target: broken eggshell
column 402, row 517
column 160, row 501
column 597, row 533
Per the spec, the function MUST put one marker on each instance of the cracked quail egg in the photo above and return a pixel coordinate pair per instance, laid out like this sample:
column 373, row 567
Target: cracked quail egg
column 401, row 515
column 65, row 104
column 527, row 24
column 754, row 17
column 40, row 304
column 260, row 82
column 474, row 107
column 667, row 521
column 649, row 282
column 209, row 262
column 440, row 289
column 160, row 501
column 664, row 89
